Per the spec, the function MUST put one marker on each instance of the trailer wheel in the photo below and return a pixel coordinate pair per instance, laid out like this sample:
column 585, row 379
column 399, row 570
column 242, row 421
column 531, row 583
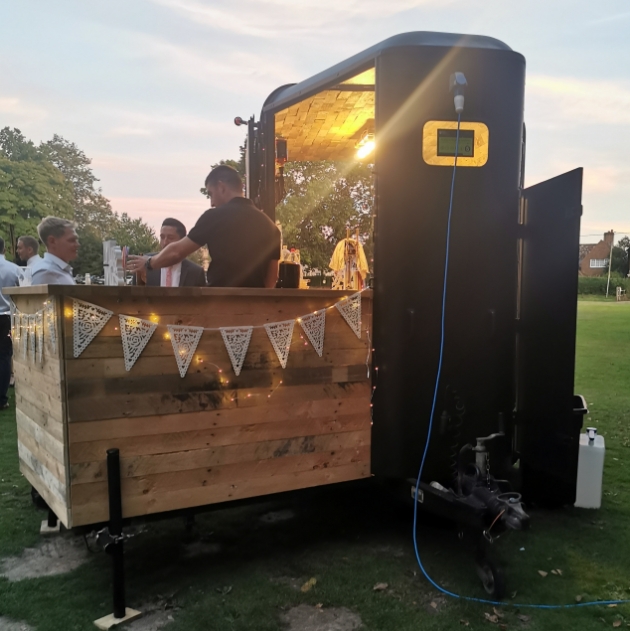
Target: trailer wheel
column 492, row 578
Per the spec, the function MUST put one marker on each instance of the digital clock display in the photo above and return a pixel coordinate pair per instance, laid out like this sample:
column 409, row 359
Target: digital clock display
column 446, row 139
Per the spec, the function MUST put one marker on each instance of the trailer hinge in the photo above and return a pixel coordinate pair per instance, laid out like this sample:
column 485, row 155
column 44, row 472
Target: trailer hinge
column 420, row 497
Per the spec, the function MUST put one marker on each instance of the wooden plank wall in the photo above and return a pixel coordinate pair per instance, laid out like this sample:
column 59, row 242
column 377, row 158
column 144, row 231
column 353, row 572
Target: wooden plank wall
column 211, row 436
column 40, row 415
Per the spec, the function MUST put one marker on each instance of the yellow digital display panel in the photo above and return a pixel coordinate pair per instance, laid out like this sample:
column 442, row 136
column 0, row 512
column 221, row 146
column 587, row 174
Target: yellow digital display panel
column 439, row 138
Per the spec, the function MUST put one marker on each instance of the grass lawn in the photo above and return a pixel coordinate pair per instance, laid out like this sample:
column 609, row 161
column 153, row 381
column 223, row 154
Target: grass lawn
column 243, row 573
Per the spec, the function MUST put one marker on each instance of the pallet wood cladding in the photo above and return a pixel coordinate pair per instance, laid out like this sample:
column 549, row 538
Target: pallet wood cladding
column 208, row 437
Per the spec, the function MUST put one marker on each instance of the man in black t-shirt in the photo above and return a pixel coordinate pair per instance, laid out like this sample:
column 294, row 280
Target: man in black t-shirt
column 244, row 244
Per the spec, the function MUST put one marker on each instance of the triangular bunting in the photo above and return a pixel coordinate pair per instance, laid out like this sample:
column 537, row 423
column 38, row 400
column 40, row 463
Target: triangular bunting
column 15, row 334
column 314, row 326
column 280, row 334
column 350, row 309
column 236, row 341
column 51, row 324
column 39, row 330
column 135, row 334
column 32, row 320
column 23, row 326
column 87, row 322
column 184, row 340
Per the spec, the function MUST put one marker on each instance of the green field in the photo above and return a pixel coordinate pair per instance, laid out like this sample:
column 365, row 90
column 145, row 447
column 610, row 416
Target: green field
column 243, row 573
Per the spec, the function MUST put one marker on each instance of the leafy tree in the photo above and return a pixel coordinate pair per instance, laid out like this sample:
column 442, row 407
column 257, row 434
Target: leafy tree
column 619, row 260
column 92, row 211
column 323, row 200
column 90, row 259
column 30, row 187
column 134, row 233
column 15, row 147
column 56, row 178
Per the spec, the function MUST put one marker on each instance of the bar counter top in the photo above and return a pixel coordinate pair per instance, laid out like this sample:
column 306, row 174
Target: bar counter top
column 133, row 291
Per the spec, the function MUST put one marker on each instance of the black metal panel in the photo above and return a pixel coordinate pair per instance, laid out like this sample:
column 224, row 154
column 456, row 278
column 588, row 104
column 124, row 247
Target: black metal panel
column 546, row 339
column 290, row 94
column 412, row 87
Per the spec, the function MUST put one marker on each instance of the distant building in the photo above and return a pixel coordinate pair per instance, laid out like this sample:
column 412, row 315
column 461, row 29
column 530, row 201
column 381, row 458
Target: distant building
column 594, row 257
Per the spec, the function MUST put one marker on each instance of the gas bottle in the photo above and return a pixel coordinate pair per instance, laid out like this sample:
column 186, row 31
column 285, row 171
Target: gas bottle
column 590, row 470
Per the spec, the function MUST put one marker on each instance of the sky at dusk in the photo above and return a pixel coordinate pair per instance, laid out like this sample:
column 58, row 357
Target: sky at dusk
column 149, row 88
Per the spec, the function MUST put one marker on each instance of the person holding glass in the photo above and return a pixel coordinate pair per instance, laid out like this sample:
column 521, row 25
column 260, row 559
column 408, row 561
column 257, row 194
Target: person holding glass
column 9, row 273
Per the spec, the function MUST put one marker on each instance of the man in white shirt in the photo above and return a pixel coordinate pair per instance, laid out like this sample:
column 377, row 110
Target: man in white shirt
column 62, row 245
column 8, row 278
column 28, row 250
column 182, row 274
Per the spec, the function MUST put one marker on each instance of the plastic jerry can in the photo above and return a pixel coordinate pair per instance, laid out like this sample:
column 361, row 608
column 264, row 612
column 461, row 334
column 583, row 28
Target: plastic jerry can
column 590, row 470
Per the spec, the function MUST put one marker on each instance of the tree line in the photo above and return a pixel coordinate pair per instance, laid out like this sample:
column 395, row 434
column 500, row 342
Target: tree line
column 55, row 178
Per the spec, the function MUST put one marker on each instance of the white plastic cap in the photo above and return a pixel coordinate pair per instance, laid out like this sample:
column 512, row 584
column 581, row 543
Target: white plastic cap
column 459, row 103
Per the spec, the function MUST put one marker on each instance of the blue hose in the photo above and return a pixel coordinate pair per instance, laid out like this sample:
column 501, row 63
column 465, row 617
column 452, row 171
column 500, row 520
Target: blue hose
column 429, row 432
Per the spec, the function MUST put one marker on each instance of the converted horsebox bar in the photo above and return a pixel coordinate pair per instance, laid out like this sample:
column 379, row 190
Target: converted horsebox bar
column 500, row 324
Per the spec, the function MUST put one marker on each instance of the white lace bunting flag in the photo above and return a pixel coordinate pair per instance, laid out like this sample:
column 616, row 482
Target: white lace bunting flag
column 184, row 340
column 51, row 324
column 32, row 320
column 314, row 326
column 350, row 309
column 17, row 330
column 236, row 341
column 23, row 324
column 87, row 322
column 135, row 334
column 39, row 330
column 280, row 334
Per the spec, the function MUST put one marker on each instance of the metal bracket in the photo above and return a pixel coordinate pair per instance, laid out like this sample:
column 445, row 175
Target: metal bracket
column 105, row 539
column 420, row 497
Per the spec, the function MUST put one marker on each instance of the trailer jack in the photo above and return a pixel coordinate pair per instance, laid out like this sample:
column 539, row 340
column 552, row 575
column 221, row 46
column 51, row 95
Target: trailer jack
column 481, row 506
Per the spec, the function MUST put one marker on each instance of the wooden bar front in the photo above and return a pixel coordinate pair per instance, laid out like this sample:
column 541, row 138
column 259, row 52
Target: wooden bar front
column 208, row 437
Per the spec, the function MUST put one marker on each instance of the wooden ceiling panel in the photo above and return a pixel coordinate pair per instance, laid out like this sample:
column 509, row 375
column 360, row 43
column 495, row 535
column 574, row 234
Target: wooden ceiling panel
column 329, row 125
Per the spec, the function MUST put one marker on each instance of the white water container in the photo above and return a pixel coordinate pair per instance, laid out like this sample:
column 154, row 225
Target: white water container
column 590, row 470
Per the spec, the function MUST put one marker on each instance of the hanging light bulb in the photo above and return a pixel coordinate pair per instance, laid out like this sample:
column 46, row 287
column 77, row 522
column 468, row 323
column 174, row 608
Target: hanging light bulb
column 366, row 149
column 366, row 145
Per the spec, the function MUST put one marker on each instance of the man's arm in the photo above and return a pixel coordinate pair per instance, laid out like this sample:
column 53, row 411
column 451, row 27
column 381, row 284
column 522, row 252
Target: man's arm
column 271, row 278
column 171, row 254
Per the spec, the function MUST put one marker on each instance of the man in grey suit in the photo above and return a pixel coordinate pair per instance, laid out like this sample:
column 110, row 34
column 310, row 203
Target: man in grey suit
column 183, row 274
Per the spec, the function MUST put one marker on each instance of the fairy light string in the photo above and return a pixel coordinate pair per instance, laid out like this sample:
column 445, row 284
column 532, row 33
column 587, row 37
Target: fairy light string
column 153, row 319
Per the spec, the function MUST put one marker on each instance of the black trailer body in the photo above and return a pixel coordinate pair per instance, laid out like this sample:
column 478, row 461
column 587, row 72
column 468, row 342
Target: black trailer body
column 509, row 337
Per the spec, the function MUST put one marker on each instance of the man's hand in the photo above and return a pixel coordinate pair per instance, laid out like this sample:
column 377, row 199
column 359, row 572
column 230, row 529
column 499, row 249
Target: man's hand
column 136, row 263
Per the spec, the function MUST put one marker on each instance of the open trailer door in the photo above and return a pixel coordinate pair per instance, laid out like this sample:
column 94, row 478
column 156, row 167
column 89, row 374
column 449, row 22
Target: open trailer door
column 549, row 420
